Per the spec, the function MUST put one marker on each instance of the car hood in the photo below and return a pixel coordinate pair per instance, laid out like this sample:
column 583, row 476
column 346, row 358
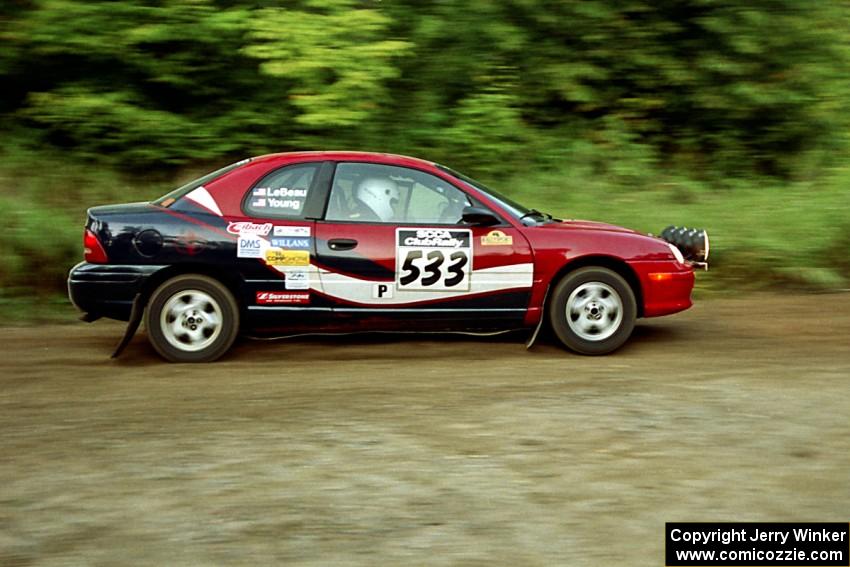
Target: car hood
column 575, row 224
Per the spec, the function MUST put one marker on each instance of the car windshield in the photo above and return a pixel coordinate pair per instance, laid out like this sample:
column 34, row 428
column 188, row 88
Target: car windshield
column 515, row 209
column 169, row 198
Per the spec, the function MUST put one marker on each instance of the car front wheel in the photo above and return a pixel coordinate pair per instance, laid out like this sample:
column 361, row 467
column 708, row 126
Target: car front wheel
column 593, row 310
column 192, row 318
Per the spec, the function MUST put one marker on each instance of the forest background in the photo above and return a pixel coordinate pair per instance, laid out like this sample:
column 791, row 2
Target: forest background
column 719, row 114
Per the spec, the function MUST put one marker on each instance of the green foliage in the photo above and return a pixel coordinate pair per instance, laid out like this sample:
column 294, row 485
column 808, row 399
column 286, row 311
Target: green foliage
column 135, row 84
column 486, row 129
column 717, row 113
column 717, row 86
column 333, row 55
column 44, row 197
column 116, row 123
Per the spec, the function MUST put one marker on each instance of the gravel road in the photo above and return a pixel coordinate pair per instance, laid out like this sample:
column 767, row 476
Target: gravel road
column 386, row 450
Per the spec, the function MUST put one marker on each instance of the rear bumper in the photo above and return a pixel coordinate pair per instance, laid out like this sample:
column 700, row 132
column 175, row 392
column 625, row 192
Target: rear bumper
column 666, row 287
column 107, row 290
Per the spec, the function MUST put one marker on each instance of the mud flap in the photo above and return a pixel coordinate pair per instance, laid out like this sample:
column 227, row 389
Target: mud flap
column 539, row 326
column 136, row 313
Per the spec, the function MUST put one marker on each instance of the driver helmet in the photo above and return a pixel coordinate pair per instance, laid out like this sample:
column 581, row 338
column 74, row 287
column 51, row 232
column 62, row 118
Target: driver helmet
column 379, row 194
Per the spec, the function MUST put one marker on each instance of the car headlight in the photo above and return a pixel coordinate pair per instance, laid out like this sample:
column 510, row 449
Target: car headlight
column 676, row 253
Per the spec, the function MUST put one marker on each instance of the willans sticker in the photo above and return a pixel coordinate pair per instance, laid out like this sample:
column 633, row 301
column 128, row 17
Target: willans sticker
column 291, row 243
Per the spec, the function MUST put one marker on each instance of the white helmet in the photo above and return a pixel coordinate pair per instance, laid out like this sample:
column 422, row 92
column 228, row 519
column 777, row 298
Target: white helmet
column 380, row 194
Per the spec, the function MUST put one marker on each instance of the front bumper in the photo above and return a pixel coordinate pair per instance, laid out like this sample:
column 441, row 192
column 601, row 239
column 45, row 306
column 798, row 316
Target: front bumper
column 107, row 290
column 666, row 287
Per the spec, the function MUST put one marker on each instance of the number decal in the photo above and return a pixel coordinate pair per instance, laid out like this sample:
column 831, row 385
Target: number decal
column 411, row 272
column 460, row 260
column 433, row 259
column 433, row 268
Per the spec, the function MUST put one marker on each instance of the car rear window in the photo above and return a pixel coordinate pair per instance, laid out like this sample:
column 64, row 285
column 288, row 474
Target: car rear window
column 284, row 193
column 169, row 198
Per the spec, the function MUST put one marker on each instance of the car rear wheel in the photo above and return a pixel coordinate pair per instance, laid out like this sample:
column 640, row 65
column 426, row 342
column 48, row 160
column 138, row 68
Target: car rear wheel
column 593, row 310
column 192, row 318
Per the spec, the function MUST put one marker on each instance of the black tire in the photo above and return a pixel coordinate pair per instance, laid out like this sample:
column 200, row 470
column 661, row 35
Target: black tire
column 601, row 313
column 192, row 318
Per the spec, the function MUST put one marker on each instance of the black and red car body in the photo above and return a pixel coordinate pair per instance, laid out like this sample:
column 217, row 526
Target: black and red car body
column 283, row 243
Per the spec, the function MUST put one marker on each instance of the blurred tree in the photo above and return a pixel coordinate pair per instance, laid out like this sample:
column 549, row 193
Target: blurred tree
column 139, row 83
column 712, row 86
column 335, row 56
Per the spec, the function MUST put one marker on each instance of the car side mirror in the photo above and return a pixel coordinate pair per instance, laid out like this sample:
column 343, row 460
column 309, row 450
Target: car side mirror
column 479, row 216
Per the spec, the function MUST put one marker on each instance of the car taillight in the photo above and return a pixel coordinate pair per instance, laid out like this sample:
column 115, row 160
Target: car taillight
column 94, row 251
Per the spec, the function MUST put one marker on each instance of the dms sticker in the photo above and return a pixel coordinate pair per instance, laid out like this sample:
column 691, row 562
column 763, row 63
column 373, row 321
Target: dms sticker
column 281, row 298
column 497, row 238
column 249, row 246
column 433, row 259
column 278, row 257
column 249, row 228
column 292, row 231
column 297, row 278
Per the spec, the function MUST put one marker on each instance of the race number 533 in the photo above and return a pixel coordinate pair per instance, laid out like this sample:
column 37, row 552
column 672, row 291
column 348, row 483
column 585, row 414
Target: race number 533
column 433, row 259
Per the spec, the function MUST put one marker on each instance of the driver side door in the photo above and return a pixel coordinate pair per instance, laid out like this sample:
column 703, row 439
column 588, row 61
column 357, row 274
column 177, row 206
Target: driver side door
column 421, row 265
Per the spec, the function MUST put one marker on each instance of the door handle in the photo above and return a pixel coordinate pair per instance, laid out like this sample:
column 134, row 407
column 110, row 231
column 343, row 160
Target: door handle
column 342, row 243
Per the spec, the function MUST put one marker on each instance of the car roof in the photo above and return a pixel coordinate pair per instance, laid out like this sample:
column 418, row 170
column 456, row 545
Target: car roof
column 228, row 188
column 341, row 155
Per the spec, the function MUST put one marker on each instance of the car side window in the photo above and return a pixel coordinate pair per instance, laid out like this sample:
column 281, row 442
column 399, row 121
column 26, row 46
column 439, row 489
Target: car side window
column 367, row 192
column 282, row 193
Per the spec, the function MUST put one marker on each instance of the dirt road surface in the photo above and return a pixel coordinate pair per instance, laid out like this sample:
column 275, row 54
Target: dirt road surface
column 420, row 451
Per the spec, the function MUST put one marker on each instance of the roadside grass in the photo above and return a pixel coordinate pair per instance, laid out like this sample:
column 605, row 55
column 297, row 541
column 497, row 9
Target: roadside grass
column 43, row 199
column 28, row 310
column 765, row 235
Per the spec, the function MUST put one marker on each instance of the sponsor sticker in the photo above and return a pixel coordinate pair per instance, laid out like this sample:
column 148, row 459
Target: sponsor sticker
column 291, row 243
column 292, row 231
column 433, row 238
column 433, row 259
column 249, row 246
column 297, row 278
column 497, row 238
column 280, row 257
column 249, row 228
column 282, row 298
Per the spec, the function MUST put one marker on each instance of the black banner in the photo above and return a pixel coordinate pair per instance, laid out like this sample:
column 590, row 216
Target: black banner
column 692, row 544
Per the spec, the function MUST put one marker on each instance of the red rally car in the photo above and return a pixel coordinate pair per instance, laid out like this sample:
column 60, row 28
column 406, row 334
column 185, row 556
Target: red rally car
column 349, row 241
